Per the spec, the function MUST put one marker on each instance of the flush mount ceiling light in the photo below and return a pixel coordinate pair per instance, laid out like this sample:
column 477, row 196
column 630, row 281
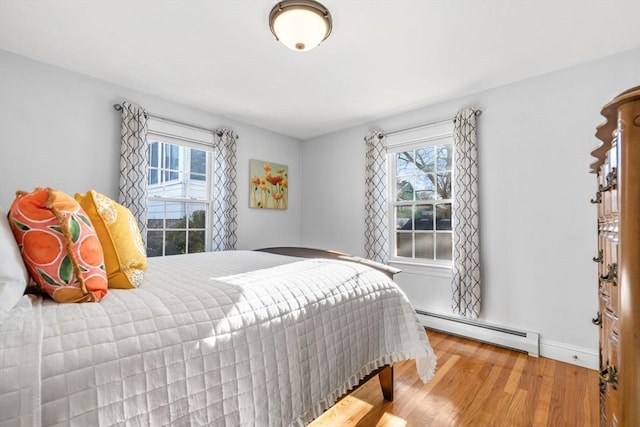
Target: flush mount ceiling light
column 300, row 25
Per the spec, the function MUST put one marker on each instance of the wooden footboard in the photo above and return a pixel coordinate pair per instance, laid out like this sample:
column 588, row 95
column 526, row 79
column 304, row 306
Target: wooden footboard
column 321, row 253
column 385, row 373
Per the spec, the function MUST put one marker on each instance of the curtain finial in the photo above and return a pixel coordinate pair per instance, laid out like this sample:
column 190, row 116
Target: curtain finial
column 375, row 133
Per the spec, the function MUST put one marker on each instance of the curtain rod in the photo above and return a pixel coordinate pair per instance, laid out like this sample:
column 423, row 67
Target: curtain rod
column 424, row 125
column 118, row 107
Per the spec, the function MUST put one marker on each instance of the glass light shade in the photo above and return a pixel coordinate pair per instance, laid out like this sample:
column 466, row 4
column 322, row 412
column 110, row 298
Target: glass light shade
column 300, row 26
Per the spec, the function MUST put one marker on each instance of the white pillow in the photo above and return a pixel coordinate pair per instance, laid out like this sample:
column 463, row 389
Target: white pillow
column 13, row 274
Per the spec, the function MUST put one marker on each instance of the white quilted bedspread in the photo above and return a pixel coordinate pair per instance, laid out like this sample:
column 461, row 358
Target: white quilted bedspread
column 218, row 339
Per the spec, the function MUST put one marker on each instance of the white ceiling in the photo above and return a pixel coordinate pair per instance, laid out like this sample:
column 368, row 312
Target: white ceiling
column 383, row 57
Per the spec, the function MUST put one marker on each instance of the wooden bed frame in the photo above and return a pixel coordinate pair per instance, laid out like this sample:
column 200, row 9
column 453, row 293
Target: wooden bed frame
column 321, row 253
column 385, row 373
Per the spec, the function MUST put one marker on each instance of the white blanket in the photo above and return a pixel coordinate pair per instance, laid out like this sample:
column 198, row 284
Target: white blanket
column 222, row 339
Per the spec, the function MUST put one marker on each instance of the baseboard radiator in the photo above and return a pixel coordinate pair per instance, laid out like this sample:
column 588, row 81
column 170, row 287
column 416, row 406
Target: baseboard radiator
column 528, row 342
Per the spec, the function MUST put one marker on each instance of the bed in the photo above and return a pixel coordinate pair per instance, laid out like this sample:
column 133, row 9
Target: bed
column 225, row 339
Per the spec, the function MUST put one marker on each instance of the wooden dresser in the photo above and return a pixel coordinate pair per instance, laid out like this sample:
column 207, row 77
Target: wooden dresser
column 617, row 166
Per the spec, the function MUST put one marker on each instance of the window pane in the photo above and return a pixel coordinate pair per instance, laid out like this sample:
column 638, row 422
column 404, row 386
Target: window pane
column 155, row 214
column 197, row 177
column 154, row 243
column 174, row 184
column 153, row 154
column 175, row 215
column 404, row 189
column 175, row 243
column 425, row 190
column 445, row 157
column 424, row 245
column 404, row 243
column 443, row 216
column 197, row 189
column 170, row 176
column 444, row 246
column 424, row 217
column 170, row 167
column 198, row 165
column 196, row 241
column 155, row 188
column 444, row 185
column 197, row 215
column 404, row 216
column 424, row 159
column 153, row 176
column 405, row 163
column 171, row 157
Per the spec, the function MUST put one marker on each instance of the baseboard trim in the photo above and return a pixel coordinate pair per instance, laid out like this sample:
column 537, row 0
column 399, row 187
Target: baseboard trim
column 574, row 355
column 525, row 341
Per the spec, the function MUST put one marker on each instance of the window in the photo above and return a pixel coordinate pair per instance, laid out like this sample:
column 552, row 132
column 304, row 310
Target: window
column 164, row 162
column 421, row 178
column 179, row 189
column 198, row 165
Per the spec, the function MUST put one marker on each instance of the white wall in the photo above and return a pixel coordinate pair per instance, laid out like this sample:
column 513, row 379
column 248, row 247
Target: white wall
column 59, row 129
column 538, row 228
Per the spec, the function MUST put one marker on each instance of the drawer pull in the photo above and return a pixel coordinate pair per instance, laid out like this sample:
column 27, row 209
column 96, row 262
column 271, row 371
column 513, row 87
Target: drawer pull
column 610, row 375
column 611, row 275
column 597, row 320
column 599, row 258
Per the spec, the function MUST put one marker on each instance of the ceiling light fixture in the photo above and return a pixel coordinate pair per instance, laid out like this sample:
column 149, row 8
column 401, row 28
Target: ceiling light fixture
column 300, row 24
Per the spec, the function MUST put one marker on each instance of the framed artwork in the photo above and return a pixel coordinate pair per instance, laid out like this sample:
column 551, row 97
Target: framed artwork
column 269, row 185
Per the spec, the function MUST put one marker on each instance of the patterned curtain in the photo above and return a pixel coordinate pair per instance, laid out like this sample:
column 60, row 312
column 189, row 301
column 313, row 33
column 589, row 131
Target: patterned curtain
column 376, row 234
column 224, row 191
column 134, row 158
column 466, row 244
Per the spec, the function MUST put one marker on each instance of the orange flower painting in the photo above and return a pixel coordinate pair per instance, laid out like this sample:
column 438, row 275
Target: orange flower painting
column 269, row 185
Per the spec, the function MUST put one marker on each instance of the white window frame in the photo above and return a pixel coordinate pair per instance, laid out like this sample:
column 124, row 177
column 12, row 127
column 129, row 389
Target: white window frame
column 437, row 133
column 188, row 137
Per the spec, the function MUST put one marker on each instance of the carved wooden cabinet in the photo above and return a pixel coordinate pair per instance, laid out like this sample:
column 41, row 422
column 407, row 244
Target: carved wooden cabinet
column 617, row 166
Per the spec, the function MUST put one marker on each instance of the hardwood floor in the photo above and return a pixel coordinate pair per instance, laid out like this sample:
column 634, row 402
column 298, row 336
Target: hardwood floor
column 475, row 385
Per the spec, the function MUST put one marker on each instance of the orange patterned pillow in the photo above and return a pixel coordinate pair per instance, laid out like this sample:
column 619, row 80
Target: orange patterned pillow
column 59, row 245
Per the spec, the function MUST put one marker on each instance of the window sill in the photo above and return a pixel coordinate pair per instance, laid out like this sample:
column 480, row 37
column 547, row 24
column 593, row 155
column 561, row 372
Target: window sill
column 437, row 270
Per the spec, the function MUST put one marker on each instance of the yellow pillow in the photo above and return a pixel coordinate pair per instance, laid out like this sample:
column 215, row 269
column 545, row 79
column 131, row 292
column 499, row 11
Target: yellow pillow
column 124, row 253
